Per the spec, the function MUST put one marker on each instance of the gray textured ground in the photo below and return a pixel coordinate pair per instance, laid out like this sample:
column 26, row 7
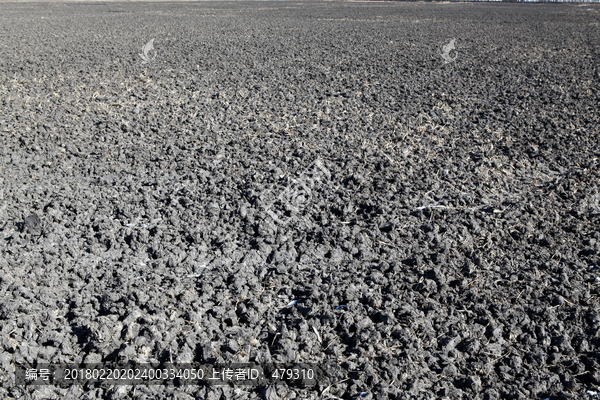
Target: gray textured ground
column 436, row 222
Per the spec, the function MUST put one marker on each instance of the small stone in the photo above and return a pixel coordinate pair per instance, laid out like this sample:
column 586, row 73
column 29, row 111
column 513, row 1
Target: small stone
column 33, row 223
column 474, row 382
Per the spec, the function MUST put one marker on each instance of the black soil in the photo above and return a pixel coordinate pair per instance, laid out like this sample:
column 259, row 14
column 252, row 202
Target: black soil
column 436, row 222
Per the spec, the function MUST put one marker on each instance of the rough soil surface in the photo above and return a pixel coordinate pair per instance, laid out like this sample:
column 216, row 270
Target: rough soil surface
column 437, row 223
